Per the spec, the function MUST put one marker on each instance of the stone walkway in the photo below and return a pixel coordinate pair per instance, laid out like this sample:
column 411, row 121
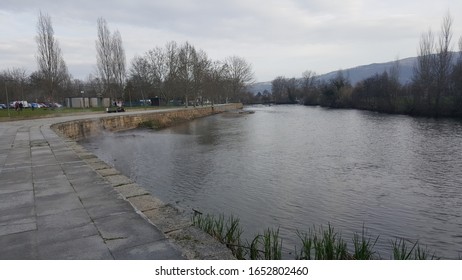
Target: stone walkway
column 55, row 205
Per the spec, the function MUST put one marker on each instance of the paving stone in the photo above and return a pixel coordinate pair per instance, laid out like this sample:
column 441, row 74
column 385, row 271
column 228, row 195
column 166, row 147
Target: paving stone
column 47, row 172
column 198, row 245
column 99, row 189
column 20, row 246
column 168, row 218
column 87, row 248
column 118, row 180
column 64, row 158
column 99, row 165
column 46, row 236
column 87, row 179
column 14, row 176
column 17, row 227
column 57, row 203
column 16, row 200
column 92, row 160
column 127, row 230
column 108, row 172
column 54, row 187
column 17, row 214
column 98, row 207
column 16, row 220
column 145, row 202
column 86, row 155
column 131, row 190
column 15, row 187
column 159, row 250
column 64, row 220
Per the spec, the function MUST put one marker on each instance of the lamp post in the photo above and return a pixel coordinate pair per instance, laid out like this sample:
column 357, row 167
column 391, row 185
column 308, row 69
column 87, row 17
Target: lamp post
column 83, row 100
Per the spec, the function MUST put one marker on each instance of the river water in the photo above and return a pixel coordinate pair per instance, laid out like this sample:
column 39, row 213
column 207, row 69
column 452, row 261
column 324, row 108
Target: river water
column 292, row 167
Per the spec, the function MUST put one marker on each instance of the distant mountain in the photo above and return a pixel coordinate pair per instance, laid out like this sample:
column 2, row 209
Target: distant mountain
column 259, row 87
column 359, row 73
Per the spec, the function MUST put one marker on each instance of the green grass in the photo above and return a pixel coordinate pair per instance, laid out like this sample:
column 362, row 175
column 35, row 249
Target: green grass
column 44, row 112
column 59, row 112
column 364, row 246
column 405, row 250
column 322, row 243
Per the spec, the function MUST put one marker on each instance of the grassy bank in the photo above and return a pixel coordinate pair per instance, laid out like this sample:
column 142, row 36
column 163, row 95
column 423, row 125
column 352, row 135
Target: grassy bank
column 44, row 113
column 318, row 243
column 59, row 112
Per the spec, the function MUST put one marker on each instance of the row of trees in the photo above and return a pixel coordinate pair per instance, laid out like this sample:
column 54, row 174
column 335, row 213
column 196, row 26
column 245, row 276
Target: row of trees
column 183, row 72
column 435, row 90
column 175, row 72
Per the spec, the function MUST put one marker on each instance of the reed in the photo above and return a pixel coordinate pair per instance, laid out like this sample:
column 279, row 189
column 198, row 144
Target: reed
column 403, row 251
column 272, row 245
column 316, row 244
column 323, row 244
column 364, row 246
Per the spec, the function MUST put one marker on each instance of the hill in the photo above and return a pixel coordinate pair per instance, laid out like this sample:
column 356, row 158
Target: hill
column 359, row 73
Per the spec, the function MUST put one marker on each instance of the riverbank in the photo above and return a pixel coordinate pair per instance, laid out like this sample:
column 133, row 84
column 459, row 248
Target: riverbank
column 83, row 128
column 58, row 201
column 292, row 167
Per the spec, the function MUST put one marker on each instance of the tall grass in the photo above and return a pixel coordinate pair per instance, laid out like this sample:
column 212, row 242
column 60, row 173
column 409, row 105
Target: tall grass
column 402, row 250
column 322, row 243
column 364, row 246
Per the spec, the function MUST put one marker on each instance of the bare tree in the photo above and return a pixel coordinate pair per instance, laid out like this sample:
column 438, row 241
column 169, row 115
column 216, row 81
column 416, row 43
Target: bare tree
column 215, row 81
column 118, row 62
column 158, row 70
column 50, row 62
column 18, row 78
column 140, row 75
column 443, row 62
column 240, row 74
column 103, row 57
column 424, row 71
column 433, row 69
column 309, row 87
column 186, row 56
column 201, row 66
column 278, row 88
column 172, row 65
column 110, row 60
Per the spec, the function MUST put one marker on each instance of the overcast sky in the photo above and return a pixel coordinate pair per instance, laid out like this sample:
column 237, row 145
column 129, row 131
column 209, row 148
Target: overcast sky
column 277, row 37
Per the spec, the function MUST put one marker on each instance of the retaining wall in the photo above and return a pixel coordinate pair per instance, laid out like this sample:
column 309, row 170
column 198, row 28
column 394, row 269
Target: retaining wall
column 80, row 129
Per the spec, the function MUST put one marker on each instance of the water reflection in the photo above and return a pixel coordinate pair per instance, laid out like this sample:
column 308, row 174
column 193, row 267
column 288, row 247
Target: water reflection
column 293, row 167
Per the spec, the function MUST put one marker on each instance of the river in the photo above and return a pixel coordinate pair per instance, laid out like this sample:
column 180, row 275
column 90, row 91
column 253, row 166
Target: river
column 292, row 167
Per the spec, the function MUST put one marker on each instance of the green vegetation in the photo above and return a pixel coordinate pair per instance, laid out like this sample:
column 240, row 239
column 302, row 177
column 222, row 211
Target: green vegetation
column 44, row 113
column 63, row 111
column 435, row 89
column 317, row 244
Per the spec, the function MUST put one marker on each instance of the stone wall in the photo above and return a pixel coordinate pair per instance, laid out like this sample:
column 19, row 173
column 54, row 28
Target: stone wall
column 80, row 129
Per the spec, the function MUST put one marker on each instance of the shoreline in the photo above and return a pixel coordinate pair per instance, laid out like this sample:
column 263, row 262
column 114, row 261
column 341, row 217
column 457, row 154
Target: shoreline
column 176, row 224
column 68, row 204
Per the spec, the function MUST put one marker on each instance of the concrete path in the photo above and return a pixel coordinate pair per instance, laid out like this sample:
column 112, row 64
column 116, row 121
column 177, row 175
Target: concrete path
column 54, row 205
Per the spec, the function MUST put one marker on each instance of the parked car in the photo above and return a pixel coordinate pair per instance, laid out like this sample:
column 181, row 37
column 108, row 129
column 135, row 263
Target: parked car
column 36, row 105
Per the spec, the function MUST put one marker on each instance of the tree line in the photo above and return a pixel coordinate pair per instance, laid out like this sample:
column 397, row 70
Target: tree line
column 435, row 89
column 176, row 72
column 180, row 72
